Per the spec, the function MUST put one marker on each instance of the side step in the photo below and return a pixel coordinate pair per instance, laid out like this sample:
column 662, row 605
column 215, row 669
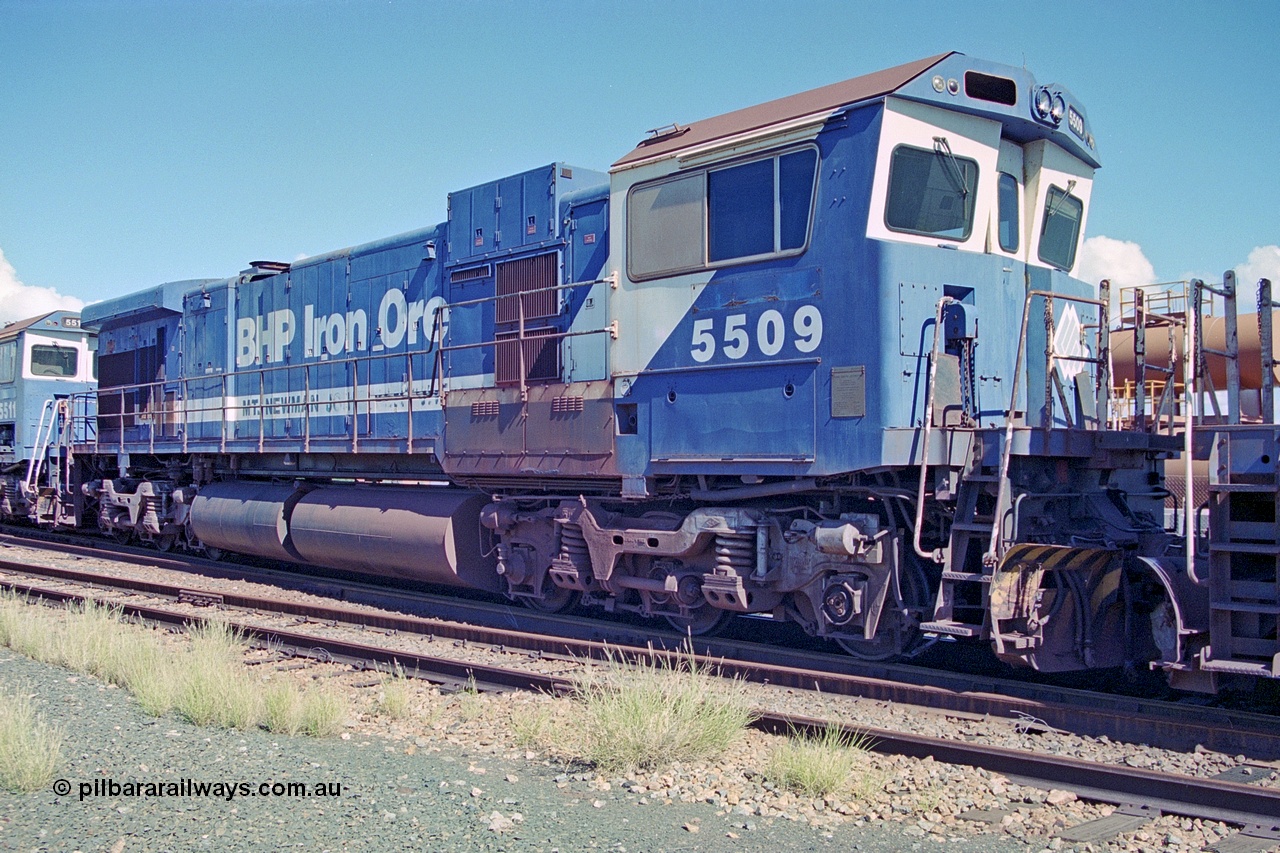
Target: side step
column 974, row 577
column 952, row 629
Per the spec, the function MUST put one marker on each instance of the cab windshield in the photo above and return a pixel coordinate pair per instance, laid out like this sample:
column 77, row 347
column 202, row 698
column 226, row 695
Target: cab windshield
column 931, row 192
column 53, row 361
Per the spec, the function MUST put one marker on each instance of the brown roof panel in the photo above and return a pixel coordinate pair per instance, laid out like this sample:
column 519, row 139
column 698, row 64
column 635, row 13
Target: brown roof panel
column 829, row 97
column 9, row 330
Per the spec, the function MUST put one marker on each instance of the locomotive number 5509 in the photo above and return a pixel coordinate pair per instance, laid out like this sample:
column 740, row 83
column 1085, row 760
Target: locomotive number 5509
column 770, row 337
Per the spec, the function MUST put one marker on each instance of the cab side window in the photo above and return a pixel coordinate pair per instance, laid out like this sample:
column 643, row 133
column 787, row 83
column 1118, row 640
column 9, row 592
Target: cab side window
column 1060, row 230
column 8, row 361
column 721, row 216
column 53, row 361
column 1007, row 203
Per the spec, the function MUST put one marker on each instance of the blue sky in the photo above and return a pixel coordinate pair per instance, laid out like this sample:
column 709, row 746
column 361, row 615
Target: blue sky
column 149, row 141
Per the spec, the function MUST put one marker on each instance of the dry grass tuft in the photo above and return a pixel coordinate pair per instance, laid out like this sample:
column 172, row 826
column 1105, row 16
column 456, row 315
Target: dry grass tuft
column 323, row 712
column 642, row 717
column 282, row 708
column 213, row 686
column 396, row 693
column 545, row 725
column 30, row 748
column 822, row 764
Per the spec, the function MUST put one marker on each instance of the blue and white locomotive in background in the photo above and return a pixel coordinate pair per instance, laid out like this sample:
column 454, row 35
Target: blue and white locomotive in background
column 42, row 359
column 821, row 359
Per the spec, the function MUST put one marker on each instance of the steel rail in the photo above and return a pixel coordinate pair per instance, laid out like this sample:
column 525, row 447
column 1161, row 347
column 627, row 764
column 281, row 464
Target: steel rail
column 361, row 655
column 1188, row 796
column 1207, row 799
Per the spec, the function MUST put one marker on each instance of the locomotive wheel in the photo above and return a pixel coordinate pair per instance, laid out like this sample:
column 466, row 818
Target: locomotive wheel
column 882, row 647
column 555, row 599
column 703, row 621
column 700, row 618
column 892, row 638
column 214, row 554
column 165, row 543
column 120, row 536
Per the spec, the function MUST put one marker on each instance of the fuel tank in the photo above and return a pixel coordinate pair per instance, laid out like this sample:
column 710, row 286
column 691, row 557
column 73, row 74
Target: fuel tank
column 422, row 533
column 247, row 518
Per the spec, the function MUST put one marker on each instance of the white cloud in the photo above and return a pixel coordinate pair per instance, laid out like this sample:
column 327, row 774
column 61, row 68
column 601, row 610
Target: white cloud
column 1264, row 262
column 20, row 301
column 1120, row 261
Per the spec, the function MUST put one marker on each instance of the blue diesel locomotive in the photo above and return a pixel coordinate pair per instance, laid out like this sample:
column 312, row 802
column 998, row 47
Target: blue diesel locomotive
column 822, row 359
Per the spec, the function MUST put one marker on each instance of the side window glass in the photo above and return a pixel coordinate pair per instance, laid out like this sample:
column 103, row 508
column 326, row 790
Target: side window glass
column 740, row 211
column 931, row 193
column 665, row 226
column 1008, row 213
column 718, row 216
column 8, row 362
column 1060, row 230
column 795, row 196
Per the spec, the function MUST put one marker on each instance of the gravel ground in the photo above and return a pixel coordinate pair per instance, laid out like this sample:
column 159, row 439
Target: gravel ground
column 426, row 793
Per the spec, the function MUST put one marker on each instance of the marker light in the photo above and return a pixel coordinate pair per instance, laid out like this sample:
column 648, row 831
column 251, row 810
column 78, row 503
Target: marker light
column 938, row 83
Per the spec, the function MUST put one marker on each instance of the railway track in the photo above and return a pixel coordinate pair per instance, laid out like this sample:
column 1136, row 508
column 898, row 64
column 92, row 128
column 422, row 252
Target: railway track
column 1141, row 794
column 1127, row 719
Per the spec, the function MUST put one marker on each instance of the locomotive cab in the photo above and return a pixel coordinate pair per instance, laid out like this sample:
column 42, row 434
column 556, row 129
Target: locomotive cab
column 42, row 360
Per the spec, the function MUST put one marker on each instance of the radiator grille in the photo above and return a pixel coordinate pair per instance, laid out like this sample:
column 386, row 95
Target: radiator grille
column 541, row 356
column 515, row 281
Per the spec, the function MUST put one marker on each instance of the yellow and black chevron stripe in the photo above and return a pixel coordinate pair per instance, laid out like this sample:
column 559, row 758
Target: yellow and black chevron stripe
column 1058, row 558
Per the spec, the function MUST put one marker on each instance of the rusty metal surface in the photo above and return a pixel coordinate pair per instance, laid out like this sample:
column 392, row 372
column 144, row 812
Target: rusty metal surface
column 827, row 98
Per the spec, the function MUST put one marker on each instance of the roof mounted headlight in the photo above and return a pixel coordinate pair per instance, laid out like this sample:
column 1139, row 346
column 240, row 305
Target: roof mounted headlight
column 1043, row 104
column 1059, row 109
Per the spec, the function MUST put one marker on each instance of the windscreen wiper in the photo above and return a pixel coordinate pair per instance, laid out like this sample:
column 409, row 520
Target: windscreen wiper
column 1057, row 205
column 943, row 149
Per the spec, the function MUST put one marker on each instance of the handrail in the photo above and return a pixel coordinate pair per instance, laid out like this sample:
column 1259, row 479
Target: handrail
column 467, row 303
column 992, row 556
column 1266, row 394
column 40, row 447
column 1231, row 352
column 190, row 409
column 1191, row 333
column 936, row 555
